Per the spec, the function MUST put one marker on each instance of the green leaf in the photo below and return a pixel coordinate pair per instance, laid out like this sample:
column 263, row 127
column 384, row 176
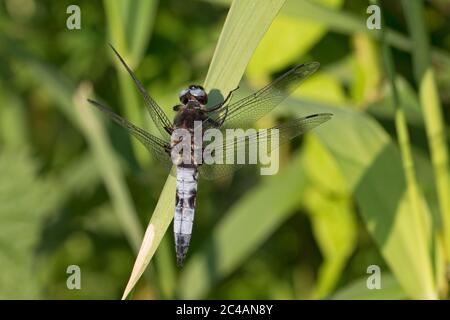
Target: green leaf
column 414, row 198
column 432, row 111
column 366, row 63
column 436, row 133
column 246, row 23
column 383, row 109
column 329, row 204
column 371, row 165
column 320, row 82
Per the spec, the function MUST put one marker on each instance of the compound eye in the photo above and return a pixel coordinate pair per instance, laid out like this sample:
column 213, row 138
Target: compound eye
column 199, row 93
column 184, row 96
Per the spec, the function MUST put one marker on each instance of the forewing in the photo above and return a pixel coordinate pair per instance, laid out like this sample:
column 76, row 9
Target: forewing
column 285, row 131
column 244, row 112
column 156, row 113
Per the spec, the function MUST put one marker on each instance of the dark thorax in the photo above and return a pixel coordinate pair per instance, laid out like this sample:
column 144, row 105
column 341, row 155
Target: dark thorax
column 190, row 112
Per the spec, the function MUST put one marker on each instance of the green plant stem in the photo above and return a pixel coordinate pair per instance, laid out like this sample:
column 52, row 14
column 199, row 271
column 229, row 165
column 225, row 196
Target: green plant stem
column 432, row 111
column 400, row 123
column 414, row 193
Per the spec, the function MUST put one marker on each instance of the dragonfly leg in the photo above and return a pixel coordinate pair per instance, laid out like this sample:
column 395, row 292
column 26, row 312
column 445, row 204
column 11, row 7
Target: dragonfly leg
column 220, row 105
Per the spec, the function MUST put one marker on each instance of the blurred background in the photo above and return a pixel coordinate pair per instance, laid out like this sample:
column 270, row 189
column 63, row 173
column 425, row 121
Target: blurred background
column 77, row 190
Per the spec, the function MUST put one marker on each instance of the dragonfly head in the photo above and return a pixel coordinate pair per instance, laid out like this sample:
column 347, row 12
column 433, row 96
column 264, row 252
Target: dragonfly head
column 194, row 93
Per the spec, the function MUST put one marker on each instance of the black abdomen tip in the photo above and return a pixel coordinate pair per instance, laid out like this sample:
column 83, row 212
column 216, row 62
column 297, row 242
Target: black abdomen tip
column 180, row 261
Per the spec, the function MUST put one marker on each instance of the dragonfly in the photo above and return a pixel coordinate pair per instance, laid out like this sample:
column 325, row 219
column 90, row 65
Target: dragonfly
column 192, row 113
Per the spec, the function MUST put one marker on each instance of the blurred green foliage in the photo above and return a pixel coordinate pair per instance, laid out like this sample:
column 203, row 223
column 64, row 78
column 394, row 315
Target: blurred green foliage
column 77, row 190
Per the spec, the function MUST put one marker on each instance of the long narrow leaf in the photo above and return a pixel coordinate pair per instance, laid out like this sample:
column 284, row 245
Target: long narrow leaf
column 432, row 111
column 246, row 23
column 372, row 167
column 420, row 214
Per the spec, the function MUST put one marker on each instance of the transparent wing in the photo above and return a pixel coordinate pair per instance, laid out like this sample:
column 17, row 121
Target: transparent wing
column 254, row 141
column 156, row 113
column 156, row 146
column 244, row 112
